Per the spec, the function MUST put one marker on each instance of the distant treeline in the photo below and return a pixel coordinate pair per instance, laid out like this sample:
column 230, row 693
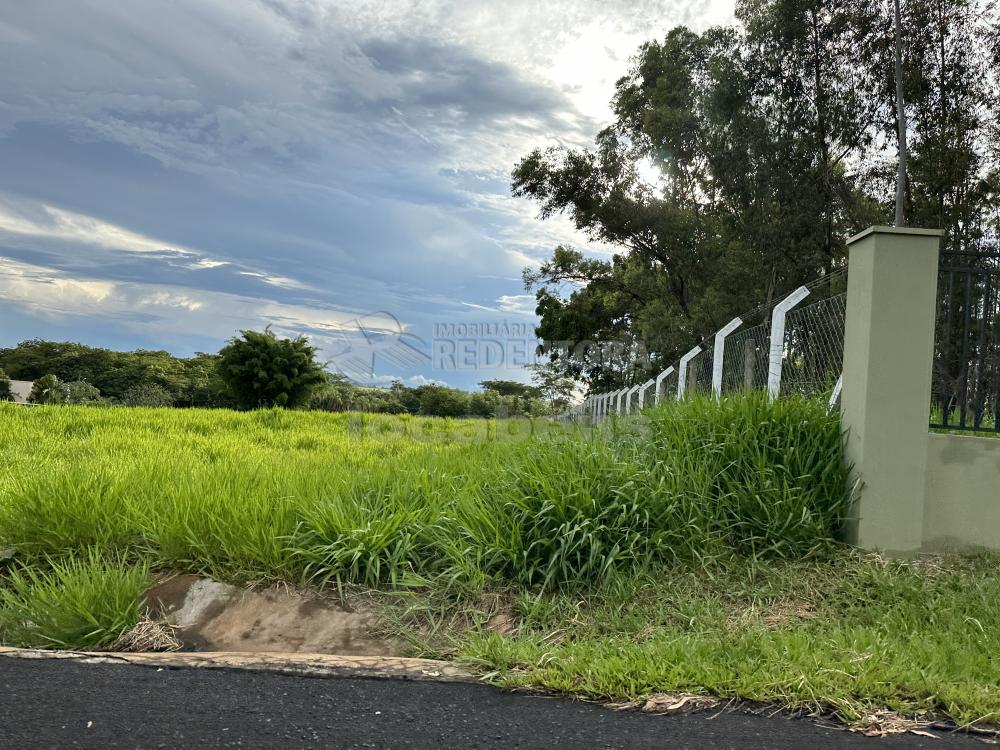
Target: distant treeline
column 158, row 378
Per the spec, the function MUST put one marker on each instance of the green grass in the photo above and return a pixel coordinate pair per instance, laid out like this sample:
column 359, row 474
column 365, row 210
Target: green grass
column 847, row 634
column 81, row 601
column 692, row 549
column 321, row 498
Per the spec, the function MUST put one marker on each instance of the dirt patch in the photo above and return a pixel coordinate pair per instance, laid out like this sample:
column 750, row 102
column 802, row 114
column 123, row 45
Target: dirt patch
column 206, row 615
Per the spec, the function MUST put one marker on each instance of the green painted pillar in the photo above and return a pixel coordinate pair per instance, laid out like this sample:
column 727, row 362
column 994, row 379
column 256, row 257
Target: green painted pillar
column 885, row 402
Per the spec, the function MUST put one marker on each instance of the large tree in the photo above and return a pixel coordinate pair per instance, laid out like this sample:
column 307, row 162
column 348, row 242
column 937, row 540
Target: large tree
column 769, row 142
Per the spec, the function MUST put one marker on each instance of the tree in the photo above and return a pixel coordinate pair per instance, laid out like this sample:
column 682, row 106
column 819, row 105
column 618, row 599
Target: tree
column 510, row 388
column 6, row 394
column 47, row 390
column 751, row 196
column 408, row 397
column 555, row 386
column 262, row 370
column 897, row 32
column 335, row 394
column 441, row 401
column 80, row 392
column 147, row 394
column 741, row 159
column 191, row 382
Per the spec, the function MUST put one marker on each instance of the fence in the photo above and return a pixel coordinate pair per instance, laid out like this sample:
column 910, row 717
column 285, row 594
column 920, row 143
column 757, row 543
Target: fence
column 785, row 347
column 965, row 391
column 914, row 326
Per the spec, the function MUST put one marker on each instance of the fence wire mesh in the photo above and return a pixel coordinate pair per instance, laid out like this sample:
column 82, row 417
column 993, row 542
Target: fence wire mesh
column 814, row 347
column 745, row 357
column 699, row 377
column 668, row 387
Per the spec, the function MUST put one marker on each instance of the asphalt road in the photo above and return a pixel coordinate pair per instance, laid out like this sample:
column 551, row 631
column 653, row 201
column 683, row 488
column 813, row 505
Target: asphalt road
column 61, row 704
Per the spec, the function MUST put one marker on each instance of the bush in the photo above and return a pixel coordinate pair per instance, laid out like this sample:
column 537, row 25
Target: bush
column 81, row 392
column 262, row 370
column 148, row 394
column 774, row 469
column 440, row 401
column 6, row 394
column 47, row 390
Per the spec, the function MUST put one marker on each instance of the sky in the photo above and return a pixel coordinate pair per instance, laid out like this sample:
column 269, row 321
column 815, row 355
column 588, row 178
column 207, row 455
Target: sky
column 174, row 172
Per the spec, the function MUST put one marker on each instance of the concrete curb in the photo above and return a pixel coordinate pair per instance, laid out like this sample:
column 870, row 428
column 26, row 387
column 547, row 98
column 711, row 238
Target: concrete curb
column 315, row 665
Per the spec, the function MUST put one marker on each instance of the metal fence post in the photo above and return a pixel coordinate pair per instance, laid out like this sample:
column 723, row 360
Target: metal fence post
column 718, row 352
column 657, row 393
column 777, row 349
column 618, row 400
column 683, row 370
column 642, row 392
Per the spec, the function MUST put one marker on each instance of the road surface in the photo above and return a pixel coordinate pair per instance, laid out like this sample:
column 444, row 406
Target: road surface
column 63, row 704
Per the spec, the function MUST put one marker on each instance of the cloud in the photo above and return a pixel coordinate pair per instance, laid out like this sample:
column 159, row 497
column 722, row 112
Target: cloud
column 521, row 304
column 413, row 381
column 172, row 313
column 53, row 223
column 177, row 170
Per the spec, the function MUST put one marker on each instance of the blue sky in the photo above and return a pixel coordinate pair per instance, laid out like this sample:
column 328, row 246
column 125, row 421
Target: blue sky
column 171, row 172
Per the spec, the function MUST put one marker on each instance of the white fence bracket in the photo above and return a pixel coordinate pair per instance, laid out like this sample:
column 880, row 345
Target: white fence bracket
column 683, row 371
column 642, row 392
column 628, row 397
column 778, row 339
column 718, row 352
column 835, row 396
column 658, row 393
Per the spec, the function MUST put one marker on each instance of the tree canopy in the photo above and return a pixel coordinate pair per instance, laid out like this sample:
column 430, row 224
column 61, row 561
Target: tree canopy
column 263, row 370
column 770, row 143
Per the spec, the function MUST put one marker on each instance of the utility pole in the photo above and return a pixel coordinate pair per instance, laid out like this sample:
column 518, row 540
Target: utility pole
column 900, row 121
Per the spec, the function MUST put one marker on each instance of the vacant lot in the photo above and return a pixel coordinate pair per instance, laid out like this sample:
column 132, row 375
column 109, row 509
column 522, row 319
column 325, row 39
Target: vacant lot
column 690, row 551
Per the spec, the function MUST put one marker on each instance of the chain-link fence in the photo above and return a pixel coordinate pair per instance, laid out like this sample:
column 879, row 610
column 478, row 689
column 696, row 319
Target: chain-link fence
column 699, row 372
column 807, row 360
column 668, row 386
column 745, row 358
column 813, row 355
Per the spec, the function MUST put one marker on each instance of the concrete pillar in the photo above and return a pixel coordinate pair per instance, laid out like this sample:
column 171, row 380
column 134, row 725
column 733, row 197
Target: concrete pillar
column 885, row 402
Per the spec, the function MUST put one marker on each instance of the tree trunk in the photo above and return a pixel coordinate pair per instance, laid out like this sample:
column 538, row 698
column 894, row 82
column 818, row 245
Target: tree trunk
column 900, row 122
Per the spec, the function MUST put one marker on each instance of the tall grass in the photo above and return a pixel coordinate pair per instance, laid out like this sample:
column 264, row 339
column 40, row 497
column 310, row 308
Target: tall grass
column 397, row 501
column 84, row 600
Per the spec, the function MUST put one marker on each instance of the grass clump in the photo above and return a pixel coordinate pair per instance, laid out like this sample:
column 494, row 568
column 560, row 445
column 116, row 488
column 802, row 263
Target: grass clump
column 773, row 471
column 80, row 601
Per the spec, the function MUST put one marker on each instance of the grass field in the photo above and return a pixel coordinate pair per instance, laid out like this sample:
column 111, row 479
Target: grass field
column 315, row 497
column 691, row 550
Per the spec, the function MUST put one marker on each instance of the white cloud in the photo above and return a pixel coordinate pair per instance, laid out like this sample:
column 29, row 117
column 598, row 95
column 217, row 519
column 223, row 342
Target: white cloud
column 173, row 312
column 522, row 304
column 413, row 381
column 49, row 222
column 283, row 282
